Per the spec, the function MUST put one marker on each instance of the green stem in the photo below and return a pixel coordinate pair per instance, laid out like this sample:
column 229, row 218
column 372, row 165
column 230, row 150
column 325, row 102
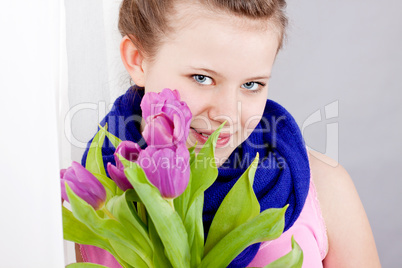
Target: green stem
column 108, row 213
column 142, row 212
column 170, row 201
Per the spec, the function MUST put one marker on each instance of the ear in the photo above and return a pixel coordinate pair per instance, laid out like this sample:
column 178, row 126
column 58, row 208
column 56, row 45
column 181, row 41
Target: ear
column 133, row 61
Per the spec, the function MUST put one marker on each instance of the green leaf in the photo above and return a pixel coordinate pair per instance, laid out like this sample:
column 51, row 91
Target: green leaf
column 203, row 173
column 203, row 169
column 76, row 231
column 268, row 225
column 195, row 231
column 294, row 259
column 94, row 161
column 85, row 265
column 112, row 138
column 160, row 259
column 133, row 259
column 181, row 202
column 189, row 205
column 191, row 150
column 109, row 185
column 122, row 207
column 167, row 222
column 111, row 229
column 239, row 206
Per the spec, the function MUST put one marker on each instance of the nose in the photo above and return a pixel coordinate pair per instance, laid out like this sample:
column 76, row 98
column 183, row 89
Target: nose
column 225, row 106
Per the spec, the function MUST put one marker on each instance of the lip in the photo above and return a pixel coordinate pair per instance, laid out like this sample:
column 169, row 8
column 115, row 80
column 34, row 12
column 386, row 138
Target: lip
column 223, row 138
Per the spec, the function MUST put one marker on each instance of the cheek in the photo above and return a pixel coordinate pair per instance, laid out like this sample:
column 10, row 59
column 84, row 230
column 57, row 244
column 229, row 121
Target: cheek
column 153, row 85
column 249, row 124
column 250, row 119
column 157, row 78
column 194, row 102
column 157, row 85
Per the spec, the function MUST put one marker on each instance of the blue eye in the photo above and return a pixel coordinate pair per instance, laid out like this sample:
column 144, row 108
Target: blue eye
column 202, row 79
column 251, row 86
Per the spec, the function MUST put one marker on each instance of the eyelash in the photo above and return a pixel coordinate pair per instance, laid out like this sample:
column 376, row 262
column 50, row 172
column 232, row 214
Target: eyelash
column 262, row 85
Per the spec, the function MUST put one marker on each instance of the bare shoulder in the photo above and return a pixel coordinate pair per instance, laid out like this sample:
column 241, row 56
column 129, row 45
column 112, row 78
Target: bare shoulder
column 332, row 181
column 351, row 242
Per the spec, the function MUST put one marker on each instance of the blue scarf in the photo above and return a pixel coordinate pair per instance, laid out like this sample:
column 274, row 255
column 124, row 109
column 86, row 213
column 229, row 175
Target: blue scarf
column 283, row 175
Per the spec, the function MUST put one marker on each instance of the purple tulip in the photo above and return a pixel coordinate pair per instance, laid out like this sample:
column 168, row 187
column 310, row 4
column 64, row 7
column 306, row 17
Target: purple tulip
column 166, row 159
column 164, row 110
column 168, row 169
column 160, row 131
column 83, row 184
column 130, row 151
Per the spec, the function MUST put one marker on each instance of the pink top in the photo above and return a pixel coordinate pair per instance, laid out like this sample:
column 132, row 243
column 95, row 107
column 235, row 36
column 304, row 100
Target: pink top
column 309, row 232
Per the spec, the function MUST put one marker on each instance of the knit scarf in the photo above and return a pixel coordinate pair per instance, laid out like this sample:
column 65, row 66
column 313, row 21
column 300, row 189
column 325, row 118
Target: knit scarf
column 282, row 176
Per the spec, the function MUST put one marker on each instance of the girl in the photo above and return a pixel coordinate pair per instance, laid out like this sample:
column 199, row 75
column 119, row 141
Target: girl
column 219, row 56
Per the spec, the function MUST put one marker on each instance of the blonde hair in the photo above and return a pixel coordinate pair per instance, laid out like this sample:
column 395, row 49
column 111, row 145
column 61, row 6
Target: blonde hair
column 146, row 22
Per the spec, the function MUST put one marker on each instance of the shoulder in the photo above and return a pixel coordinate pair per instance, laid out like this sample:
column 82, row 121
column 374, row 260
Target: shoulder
column 335, row 188
column 331, row 180
column 351, row 242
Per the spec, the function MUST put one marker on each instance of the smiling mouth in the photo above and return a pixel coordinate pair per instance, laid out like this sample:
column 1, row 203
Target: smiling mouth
column 202, row 137
column 203, row 134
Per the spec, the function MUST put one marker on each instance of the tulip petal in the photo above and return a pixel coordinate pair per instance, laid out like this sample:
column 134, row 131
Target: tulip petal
column 62, row 172
column 119, row 177
column 179, row 134
column 158, row 131
column 84, row 184
column 69, row 174
column 129, row 150
column 182, row 169
column 169, row 94
column 151, row 103
column 63, row 190
column 85, row 195
column 89, row 181
column 166, row 159
column 149, row 165
column 167, row 169
column 168, row 102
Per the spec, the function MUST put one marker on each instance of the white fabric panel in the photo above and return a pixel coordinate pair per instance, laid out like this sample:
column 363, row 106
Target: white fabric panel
column 30, row 225
column 96, row 75
column 64, row 121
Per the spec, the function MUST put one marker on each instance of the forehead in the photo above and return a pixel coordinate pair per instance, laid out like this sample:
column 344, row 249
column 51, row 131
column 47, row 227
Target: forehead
column 220, row 40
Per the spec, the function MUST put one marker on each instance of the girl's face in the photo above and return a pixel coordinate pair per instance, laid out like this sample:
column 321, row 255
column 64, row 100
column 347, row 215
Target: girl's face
column 221, row 66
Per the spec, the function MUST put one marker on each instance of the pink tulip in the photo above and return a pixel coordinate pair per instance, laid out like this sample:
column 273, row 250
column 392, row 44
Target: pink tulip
column 83, row 184
column 161, row 132
column 130, row 151
column 164, row 110
column 166, row 159
column 167, row 169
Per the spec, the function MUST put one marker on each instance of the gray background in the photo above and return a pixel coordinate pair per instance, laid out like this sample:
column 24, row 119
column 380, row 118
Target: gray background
column 343, row 52
column 350, row 52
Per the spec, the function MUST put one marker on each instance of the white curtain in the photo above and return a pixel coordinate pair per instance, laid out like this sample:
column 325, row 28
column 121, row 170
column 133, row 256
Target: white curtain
column 94, row 75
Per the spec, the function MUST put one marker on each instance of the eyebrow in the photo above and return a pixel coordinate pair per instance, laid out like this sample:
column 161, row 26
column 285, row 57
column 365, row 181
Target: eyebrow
column 220, row 75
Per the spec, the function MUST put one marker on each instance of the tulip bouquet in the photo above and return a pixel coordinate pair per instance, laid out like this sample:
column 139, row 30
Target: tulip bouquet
column 149, row 213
